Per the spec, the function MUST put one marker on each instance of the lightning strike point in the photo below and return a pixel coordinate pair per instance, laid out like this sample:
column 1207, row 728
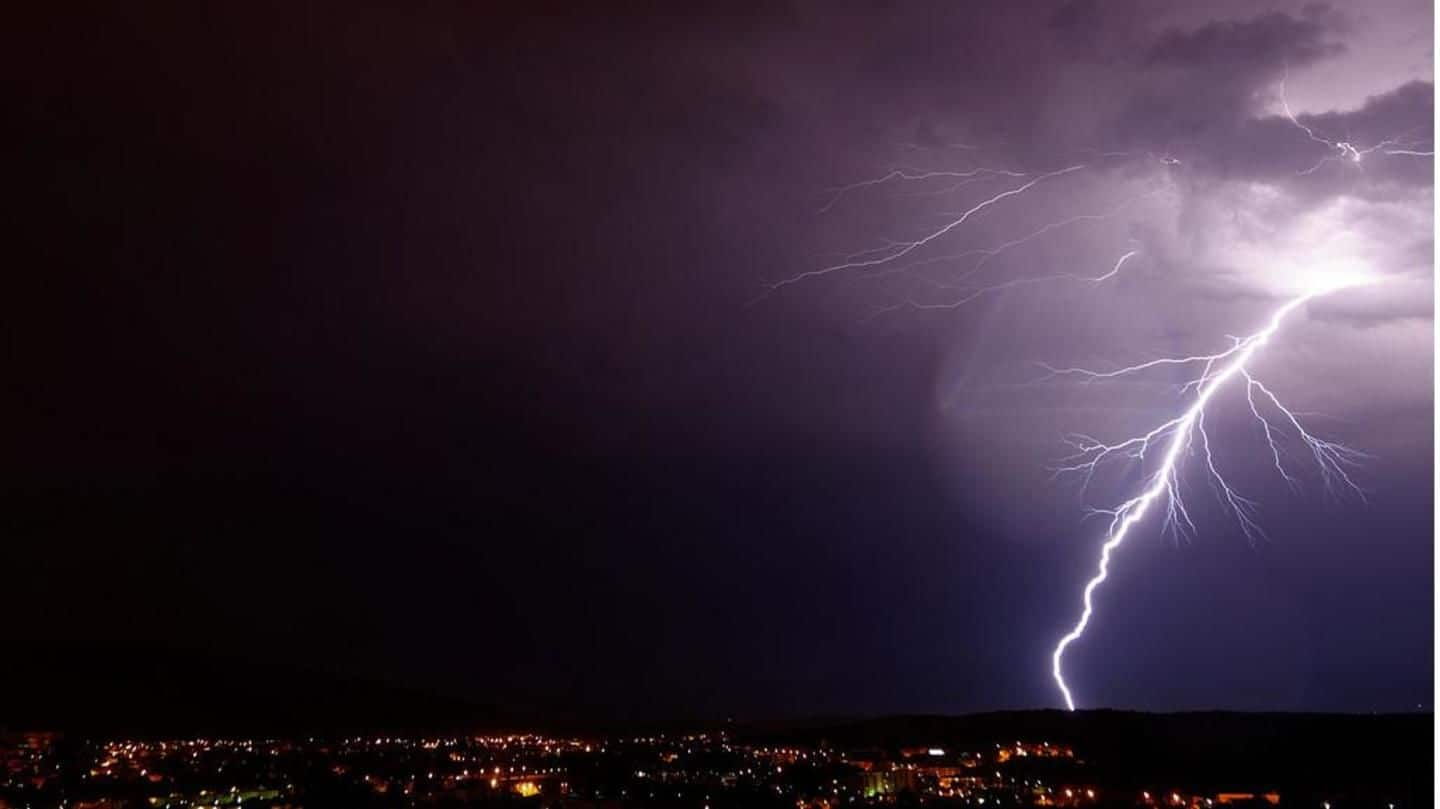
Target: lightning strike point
column 1177, row 435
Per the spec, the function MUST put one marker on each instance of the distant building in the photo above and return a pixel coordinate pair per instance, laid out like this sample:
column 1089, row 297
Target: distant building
column 1004, row 753
column 892, row 782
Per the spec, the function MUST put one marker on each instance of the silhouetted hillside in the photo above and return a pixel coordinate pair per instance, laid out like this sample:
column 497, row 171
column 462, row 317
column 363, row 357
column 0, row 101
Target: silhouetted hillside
column 145, row 690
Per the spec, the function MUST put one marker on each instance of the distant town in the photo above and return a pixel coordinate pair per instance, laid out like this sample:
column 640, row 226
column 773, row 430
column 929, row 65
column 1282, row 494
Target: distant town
column 710, row 770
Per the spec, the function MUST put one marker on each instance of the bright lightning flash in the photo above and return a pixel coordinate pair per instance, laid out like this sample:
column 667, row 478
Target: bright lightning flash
column 1178, row 436
column 1184, row 435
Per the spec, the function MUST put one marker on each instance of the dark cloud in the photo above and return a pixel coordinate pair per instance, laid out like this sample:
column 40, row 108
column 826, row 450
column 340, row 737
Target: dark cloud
column 1267, row 42
column 1078, row 19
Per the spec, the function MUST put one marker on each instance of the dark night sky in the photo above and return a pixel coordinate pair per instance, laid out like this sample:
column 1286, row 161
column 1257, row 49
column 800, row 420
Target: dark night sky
column 424, row 346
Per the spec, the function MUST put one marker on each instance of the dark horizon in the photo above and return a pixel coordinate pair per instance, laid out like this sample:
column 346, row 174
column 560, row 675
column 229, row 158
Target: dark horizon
column 154, row 693
column 433, row 348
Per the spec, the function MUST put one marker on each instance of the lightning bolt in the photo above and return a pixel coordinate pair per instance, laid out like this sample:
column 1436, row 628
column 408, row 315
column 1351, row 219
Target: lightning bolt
column 1177, row 436
column 987, row 253
column 1184, row 435
column 1014, row 282
column 898, row 250
column 906, row 175
column 1345, row 150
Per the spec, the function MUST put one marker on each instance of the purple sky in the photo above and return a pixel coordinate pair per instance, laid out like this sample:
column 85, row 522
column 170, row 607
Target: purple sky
column 450, row 326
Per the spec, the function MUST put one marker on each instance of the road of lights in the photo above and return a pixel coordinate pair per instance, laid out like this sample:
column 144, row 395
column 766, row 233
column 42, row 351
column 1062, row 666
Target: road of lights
column 1178, row 436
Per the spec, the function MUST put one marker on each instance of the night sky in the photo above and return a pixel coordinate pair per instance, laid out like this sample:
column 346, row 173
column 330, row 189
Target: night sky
column 435, row 347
